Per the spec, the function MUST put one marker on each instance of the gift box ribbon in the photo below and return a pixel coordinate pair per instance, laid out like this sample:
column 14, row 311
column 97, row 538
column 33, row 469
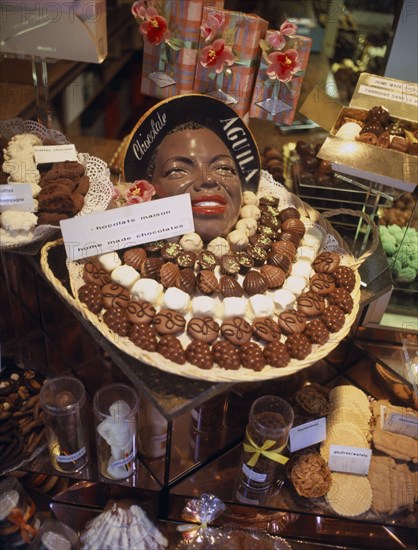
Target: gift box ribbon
column 19, row 521
column 264, row 451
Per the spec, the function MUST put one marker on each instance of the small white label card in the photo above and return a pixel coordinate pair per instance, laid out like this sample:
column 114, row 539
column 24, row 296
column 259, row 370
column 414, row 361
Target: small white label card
column 405, row 424
column 102, row 232
column 161, row 79
column 307, row 434
column 351, row 460
column 54, row 153
column 16, row 196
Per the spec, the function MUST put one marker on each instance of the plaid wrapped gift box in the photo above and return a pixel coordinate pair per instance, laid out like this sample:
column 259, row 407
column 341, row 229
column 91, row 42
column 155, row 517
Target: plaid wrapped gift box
column 242, row 32
column 167, row 72
column 275, row 100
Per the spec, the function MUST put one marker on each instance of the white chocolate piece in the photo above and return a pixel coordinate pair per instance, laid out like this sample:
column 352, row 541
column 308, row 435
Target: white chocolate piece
column 249, row 197
column 177, row 300
column 306, row 253
column 218, row 247
column 15, row 220
column 302, row 268
column 191, row 242
column 148, row 290
column 261, row 306
column 238, row 240
column 349, row 130
column 283, row 299
column 36, row 189
column 109, row 261
column 204, row 305
column 8, row 238
column 234, row 307
column 295, row 284
column 250, row 211
column 125, row 275
column 247, row 225
column 313, row 238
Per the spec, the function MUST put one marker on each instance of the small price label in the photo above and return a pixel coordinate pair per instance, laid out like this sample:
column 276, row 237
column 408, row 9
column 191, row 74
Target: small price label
column 161, row 79
column 307, row 434
column 46, row 154
column 405, row 424
column 16, row 197
column 351, row 460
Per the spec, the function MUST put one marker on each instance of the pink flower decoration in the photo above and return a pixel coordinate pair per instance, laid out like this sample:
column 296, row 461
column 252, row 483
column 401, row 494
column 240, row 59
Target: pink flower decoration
column 275, row 39
column 140, row 191
column 154, row 27
column 283, row 65
column 213, row 24
column 138, row 10
column 216, row 56
column 288, row 29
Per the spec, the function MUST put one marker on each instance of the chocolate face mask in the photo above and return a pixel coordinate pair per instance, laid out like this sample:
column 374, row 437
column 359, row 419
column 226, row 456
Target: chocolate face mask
column 197, row 162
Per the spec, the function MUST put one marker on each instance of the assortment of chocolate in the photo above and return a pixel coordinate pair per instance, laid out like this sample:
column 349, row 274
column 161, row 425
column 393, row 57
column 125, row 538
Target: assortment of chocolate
column 21, row 424
column 147, row 295
column 378, row 127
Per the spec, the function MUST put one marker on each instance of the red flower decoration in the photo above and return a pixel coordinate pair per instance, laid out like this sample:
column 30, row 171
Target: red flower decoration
column 154, row 28
column 216, row 56
column 140, row 191
column 283, row 65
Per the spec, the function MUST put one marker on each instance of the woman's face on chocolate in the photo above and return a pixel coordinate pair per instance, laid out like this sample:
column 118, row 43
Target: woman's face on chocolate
column 199, row 163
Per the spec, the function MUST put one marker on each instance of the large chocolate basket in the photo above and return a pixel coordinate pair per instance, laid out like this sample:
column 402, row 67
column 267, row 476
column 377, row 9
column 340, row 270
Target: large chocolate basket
column 332, row 241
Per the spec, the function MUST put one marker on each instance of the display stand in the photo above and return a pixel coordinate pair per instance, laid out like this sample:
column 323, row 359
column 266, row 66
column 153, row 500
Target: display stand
column 40, row 82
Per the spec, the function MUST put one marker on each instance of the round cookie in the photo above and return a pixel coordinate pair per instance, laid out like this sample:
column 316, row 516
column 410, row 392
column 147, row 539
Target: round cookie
column 204, row 329
column 236, row 330
column 169, row 322
column 140, row 313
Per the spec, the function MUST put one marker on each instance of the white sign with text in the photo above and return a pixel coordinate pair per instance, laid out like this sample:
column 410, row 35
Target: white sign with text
column 102, row 232
column 405, row 424
column 16, row 196
column 351, row 460
column 307, row 434
column 54, row 153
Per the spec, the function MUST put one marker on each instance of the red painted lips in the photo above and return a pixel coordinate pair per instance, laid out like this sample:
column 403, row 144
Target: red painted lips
column 209, row 205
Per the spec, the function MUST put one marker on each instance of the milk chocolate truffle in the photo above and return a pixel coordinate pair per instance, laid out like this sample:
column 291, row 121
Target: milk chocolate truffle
column 229, row 265
column 326, row 262
column 168, row 274
column 274, row 276
column 170, row 252
column 186, row 260
column 384, row 140
column 379, row 114
column 226, row 355
column 311, row 304
column 150, row 268
column 230, row 287
column 299, row 346
column 92, row 296
column 342, row 298
column 199, row 354
column 289, row 213
column 399, row 144
column 276, row 354
column 317, row 332
column 258, row 254
column 322, row 283
column 94, row 274
column 367, row 137
column 261, row 240
column 236, row 330
column 292, row 321
column 115, row 296
column 245, row 262
column 333, row 318
column 170, row 347
column 266, row 329
column 345, row 277
column 254, row 283
column 372, row 128
column 140, row 313
column 143, row 336
column 279, row 260
column 207, row 282
column 204, row 329
column 186, row 281
column 116, row 320
column 206, row 260
column 168, row 321
column 252, row 356
column 134, row 257
column 154, row 248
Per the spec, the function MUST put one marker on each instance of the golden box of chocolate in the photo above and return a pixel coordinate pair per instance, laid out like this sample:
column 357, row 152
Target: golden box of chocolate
column 376, row 136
